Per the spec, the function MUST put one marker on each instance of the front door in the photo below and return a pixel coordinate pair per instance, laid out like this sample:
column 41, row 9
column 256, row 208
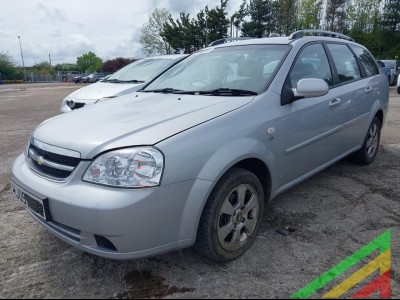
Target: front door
column 313, row 125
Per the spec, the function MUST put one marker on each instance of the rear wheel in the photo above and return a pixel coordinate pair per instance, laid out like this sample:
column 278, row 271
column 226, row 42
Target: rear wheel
column 232, row 216
column 367, row 153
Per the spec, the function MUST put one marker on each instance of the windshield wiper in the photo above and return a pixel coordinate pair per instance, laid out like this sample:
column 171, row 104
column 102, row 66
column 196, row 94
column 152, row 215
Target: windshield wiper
column 164, row 91
column 123, row 81
column 227, row 92
column 216, row 92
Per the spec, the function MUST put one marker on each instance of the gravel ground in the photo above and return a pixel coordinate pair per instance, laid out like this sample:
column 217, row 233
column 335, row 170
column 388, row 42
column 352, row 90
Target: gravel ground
column 306, row 230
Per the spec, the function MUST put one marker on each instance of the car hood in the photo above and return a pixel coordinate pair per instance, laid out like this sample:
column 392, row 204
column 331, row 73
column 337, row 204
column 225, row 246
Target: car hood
column 100, row 90
column 132, row 120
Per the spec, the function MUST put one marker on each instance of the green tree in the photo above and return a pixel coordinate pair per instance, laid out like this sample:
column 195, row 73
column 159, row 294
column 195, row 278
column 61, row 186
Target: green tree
column 263, row 18
column 89, row 62
column 43, row 68
column 183, row 34
column 7, row 66
column 336, row 15
column 391, row 29
column 364, row 20
column 286, row 20
column 240, row 14
column 217, row 21
column 391, row 15
column 188, row 34
column 153, row 43
column 66, row 67
column 310, row 14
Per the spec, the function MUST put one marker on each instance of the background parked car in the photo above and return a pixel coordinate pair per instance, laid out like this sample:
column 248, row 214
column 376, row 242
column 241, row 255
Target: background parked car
column 384, row 69
column 96, row 77
column 398, row 85
column 85, row 79
column 77, row 79
column 127, row 80
column 394, row 66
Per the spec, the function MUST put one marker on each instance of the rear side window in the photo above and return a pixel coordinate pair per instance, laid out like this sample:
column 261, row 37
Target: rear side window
column 368, row 62
column 345, row 62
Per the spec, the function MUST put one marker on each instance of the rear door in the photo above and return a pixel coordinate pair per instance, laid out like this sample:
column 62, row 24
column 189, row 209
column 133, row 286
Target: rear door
column 355, row 71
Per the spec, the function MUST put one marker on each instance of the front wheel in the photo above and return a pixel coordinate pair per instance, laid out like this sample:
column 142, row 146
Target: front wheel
column 232, row 216
column 367, row 153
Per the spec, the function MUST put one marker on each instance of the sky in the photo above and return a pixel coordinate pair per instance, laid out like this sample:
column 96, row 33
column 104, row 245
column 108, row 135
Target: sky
column 66, row 29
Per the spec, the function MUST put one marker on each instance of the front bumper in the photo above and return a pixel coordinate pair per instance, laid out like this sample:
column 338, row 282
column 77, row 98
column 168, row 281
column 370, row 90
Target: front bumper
column 138, row 222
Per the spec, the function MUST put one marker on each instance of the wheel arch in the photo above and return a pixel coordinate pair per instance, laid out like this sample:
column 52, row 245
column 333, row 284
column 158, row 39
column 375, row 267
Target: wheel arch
column 254, row 164
column 379, row 114
column 260, row 169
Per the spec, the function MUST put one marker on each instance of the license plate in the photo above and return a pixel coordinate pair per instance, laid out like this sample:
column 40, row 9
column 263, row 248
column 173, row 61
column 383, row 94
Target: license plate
column 32, row 203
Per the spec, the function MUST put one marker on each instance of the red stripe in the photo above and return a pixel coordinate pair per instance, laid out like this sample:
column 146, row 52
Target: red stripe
column 382, row 284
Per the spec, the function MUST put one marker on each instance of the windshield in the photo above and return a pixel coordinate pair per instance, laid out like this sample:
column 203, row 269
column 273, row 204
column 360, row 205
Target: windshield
column 389, row 63
column 140, row 70
column 239, row 68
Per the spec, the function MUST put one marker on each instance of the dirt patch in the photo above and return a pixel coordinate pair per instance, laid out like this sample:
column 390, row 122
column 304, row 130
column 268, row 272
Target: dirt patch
column 5, row 190
column 143, row 284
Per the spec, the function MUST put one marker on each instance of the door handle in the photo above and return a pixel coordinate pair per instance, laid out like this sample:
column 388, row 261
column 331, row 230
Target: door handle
column 335, row 102
column 369, row 90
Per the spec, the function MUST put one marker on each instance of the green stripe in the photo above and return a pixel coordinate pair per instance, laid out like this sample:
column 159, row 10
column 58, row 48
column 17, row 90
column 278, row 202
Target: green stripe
column 382, row 243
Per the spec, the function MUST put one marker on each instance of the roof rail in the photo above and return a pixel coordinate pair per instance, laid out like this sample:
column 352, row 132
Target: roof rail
column 301, row 33
column 228, row 39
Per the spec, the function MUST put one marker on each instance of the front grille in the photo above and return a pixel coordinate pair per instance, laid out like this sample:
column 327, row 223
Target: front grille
column 60, row 159
column 52, row 172
column 51, row 165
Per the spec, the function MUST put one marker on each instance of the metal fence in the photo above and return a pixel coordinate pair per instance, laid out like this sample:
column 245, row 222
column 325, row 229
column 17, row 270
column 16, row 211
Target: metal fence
column 59, row 77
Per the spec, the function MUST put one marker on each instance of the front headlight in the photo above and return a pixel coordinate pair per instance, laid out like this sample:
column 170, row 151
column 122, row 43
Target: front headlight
column 132, row 168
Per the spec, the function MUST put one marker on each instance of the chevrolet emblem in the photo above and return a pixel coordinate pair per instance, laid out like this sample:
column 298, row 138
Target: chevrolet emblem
column 40, row 160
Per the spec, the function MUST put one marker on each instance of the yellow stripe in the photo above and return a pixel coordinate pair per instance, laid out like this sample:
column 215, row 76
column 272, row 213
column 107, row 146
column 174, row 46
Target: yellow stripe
column 382, row 262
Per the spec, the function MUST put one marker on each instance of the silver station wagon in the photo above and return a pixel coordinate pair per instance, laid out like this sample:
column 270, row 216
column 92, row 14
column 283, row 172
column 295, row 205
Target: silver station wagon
column 191, row 158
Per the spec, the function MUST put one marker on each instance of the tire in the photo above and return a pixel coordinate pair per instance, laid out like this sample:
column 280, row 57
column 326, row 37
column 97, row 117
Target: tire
column 398, row 90
column 231, row 217
column 366, row 155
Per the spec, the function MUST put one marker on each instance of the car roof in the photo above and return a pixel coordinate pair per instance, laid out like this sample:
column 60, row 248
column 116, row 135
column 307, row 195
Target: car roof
column 284, row 41
column 300, row 37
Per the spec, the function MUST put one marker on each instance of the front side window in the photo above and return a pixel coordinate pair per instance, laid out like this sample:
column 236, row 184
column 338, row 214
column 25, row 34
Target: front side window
column 345, row 62
column 246, row 67
column 366, row 60
column 311, row 63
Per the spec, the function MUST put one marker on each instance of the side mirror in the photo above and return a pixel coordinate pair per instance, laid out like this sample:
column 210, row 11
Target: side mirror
column 310, row 88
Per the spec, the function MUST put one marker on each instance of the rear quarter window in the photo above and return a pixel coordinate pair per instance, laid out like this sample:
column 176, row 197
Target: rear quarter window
column 367, row 61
